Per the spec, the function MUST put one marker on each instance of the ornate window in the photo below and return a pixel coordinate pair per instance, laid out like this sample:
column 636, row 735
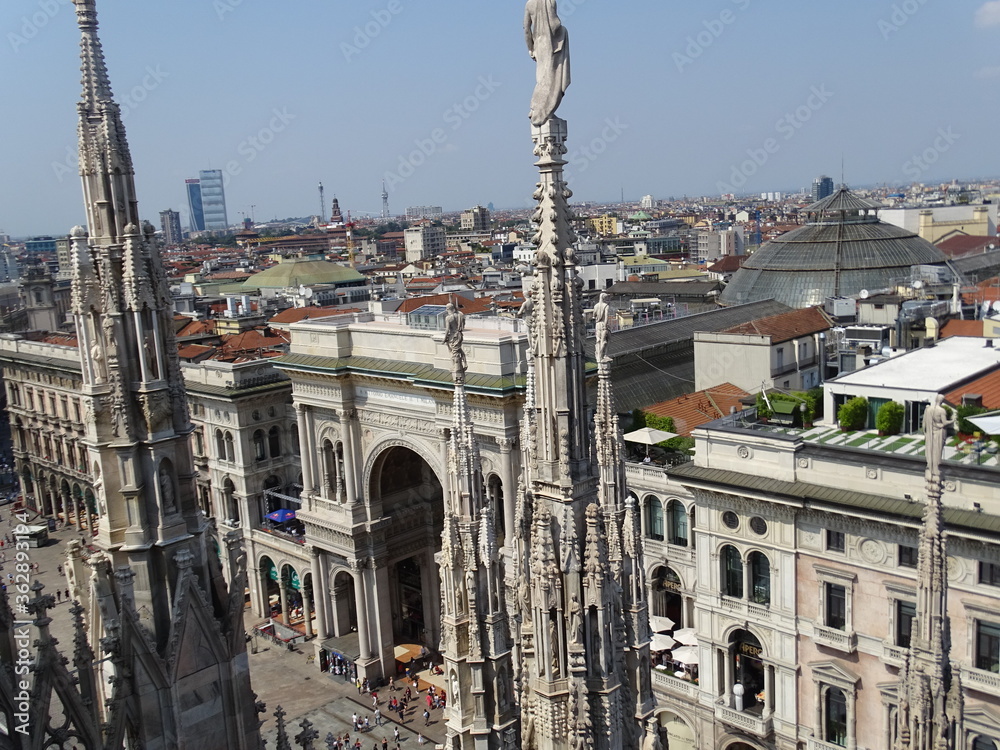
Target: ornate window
column 835, row 717
column 989, row 573
column 987, row 646
column 906, row 612
column 230, row 448
column 760, row 581
column 654, row 518
column 835, row 612
column 907, row 556
column 732, row 572
column 258, row 446
column 678, row 523
column 835, row 541
column 274, row 441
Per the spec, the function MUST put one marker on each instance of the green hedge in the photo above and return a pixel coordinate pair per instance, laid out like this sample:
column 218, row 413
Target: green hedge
column 853, row 414
column 889, row 420
column 963, row 413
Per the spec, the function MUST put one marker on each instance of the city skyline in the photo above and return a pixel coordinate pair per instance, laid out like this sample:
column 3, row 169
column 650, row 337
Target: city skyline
column 670, row 118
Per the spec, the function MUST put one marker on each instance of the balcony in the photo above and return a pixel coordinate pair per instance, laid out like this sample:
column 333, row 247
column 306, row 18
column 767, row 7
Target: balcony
column 815, row 744
column 893, row 655
column 674, row 685
column 981, row 680
column 747, row 721
column 833, row 638
column 742, row 609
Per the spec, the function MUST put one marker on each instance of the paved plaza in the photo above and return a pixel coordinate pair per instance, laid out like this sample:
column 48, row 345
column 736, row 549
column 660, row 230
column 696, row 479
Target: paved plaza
column 280, row 677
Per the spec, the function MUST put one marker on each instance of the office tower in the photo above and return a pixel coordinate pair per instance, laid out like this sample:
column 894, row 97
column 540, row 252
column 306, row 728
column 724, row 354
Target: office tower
column 213, row 200
column 822, row 187
column 170, row 222
column 195, row 208
column 476, row 219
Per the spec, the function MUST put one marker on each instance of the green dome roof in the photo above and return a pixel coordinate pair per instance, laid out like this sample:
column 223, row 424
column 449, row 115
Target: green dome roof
column 302, row 272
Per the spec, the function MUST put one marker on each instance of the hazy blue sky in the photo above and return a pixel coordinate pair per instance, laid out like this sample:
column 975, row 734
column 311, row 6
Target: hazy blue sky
column 675, row 98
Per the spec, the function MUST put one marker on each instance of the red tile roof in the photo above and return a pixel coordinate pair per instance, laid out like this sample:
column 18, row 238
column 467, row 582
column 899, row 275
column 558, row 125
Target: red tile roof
column 695, row 409
column 296, row 314
column 197, row 328
column 971, row 328
column 728, row 264
column 785, row 326
column 966, row 244
column 987, row 386
column 465, row 305
column 194, row 351
column 61, row 339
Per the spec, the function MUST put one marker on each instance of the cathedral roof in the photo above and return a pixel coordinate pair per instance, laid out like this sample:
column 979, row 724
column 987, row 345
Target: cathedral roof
column 304, row 272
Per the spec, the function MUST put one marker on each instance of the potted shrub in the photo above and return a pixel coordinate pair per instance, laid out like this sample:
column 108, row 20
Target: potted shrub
column 853, row 414
column 889, row 420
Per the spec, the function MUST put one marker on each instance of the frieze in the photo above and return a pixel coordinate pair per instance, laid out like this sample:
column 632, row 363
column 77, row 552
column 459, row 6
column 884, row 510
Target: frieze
column 396, row 421
column 489, row 416
column 314, row 531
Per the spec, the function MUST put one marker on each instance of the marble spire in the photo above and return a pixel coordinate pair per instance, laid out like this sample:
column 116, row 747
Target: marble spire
column 476, row 638
column 930, row 712
column 583, row 646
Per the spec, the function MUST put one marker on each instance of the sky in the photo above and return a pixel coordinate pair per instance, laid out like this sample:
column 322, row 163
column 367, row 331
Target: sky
column 670, row 99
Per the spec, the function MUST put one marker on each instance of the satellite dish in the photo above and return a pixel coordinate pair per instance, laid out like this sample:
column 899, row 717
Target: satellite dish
column 302, row 291
column 308, row 292
column 918, row 284
column 865, row 294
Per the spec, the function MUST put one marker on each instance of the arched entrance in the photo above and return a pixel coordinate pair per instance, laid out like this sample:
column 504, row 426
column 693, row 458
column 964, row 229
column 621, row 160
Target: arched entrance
column 666, row 595
column 407, row 491
column 269, row 588
column 747, row 679
column 675, row 732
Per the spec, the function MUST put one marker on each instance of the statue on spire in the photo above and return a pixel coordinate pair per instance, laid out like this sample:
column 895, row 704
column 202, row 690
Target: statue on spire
column 548, row 45
column 454, row 336
column 936, row 421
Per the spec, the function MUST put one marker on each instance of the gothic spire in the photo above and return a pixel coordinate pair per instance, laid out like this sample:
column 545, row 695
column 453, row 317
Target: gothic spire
column 96, row 84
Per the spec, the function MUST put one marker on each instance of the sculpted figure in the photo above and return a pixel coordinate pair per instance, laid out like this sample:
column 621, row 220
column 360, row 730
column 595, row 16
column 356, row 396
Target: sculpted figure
column 454, row 335
column 548, row 45
column 936, row 421
column 601, row 312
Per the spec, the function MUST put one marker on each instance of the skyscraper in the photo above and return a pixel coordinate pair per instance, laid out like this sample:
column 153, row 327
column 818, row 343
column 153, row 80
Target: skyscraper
column 822, row 187
column 213, row 200
column 170, row 222
column 195, row 207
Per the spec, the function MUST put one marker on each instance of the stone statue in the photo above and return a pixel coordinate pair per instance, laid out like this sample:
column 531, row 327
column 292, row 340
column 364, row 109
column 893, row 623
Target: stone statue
column 936, row 421
column 602, row 311
column 576, row 619
column 554, row 648
column 167, row 490
column 548, row 45
column 454, row 335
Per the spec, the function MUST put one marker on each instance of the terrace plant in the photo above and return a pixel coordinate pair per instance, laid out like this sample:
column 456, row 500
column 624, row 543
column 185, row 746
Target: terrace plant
column 853, row 414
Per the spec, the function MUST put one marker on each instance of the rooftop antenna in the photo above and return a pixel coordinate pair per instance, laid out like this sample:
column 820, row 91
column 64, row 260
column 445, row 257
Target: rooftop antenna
column 322, row 205
column 385, row 203
column 843, row 182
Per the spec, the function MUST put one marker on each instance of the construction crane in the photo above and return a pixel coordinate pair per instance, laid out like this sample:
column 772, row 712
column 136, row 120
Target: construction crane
column 350, row 239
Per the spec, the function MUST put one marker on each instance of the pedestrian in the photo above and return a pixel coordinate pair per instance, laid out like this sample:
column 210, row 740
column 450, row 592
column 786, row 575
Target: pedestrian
column 427, row 717
column 59, row 569
column 401, row 719
column 58, row 595
column 420, row 739
column 385, row 744
column 354, row 720
column 374, row 698
column 395, row 735
column 367, row 725
column 378, row 716
column 67, row 594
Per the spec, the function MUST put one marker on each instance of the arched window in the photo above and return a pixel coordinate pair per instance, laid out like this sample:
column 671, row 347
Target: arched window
column 258, row 446
column 983, row 743
column 677, row 514
column 274, row 441
column 654, row 518
column 220, row 445
column 230, row 450
column 732, row 572
column 760, row 578
column 835, row 717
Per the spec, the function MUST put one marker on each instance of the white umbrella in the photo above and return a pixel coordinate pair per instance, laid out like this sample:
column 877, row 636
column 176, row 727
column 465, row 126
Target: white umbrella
column 686, row 655
column 687, row 636
column 661, row 642
column 660, row 624
column 648, row 436
column 988, row 423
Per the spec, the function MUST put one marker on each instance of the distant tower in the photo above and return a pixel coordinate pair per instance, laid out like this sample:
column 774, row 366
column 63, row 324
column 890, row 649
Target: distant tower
column 38, row 294
column 322, row 205
column 170, row 222
column 385, row 203
column 336, row 217
column 822, row 187
column 213, row 199
column 175, row 672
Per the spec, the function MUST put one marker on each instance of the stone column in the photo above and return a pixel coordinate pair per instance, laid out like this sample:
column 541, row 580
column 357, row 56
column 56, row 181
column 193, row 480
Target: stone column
column 283, row 593
column 350, row 468
column 509, row 488
column 300, row 413
column 728, row 687
column 851, row 720
column 307, row 611
column 319, row 592
column 769, row 701
column 360, row 600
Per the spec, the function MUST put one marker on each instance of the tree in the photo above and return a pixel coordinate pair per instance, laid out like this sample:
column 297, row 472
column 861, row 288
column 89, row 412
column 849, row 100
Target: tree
column 853, row 415
column 889, row 419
